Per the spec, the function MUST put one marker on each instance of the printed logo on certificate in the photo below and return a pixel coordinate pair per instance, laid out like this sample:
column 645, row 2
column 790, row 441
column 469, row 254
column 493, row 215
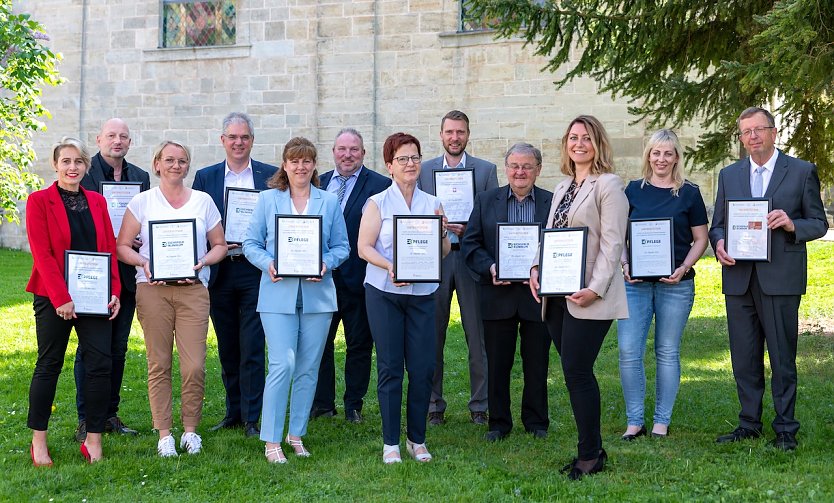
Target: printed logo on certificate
column 88, row 280
column 562, row 261
column 417, row 248
column 173, row 245
column 651, row 247
column 298, row 246
column 239, row 206
column 515, row 250
column 118, row 195
column 456, row 190
column 746, row 235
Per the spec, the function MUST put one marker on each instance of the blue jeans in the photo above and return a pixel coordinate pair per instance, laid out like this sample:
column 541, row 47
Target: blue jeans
column 670, row 306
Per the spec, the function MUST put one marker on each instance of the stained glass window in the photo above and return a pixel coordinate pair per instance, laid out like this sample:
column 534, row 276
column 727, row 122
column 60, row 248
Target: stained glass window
column 196, row 23
column 468, row 22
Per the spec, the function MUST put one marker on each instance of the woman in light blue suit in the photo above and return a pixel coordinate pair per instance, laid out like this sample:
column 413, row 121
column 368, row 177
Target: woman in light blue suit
column 295, row 312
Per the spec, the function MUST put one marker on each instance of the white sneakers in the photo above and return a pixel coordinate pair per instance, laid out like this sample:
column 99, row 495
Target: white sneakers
column 191, row 442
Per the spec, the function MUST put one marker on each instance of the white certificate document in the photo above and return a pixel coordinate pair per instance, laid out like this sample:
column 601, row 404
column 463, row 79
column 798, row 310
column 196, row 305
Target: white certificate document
column 651, row 247
column 746, row 235
column 173, row 245
column 417, row 249
column 240, row 204
column 562, row 261
column 456, row 190
column 298, row 246
column 117, row 195
column 515, row 250
column 88, row 280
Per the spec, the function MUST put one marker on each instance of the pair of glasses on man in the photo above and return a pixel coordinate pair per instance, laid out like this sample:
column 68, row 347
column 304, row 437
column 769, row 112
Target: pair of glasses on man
column 403, row 159
column 757, row 130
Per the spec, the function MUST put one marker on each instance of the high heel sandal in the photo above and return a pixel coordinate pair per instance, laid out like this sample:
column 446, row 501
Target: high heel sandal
column 86, row 453
column 411, row 447
column 298, row 447
column 277, row 452
column 35, row 463
column 387, row 450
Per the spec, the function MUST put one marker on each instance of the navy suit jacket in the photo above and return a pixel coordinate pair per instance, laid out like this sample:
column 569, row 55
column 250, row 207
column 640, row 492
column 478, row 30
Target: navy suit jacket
column 351, row 274
column 795, row 188
column 211, row 180
column 478, row 248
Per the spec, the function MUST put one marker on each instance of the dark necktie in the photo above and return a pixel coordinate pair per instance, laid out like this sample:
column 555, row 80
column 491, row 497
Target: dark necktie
column 342, row 188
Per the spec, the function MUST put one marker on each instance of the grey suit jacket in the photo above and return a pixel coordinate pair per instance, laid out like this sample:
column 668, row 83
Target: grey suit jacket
column 795, row 188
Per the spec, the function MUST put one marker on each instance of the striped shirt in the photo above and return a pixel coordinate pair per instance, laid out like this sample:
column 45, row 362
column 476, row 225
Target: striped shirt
column 521, row 212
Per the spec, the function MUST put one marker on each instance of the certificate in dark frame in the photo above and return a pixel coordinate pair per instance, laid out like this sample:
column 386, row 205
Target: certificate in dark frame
column 634, row 271
column 193, row 238
column 436, row 227
column 226, row 207
column 471, row 171
column 499, row 247
column 555, row 234
column 727, row 230
column 276, row 256
column 105, row 259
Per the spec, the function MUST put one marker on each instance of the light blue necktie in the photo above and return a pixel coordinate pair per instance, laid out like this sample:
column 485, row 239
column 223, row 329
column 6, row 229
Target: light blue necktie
column 758, row 181
column 343, row 188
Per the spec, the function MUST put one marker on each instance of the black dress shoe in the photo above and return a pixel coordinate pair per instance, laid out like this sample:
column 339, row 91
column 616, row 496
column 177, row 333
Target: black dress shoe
column 319, row 412
column 740, row 433
column 81, row 431
column 436, row 418
column 495, row 435
column 479, row 417
column 575, row 473
column 353, row 416
column 784, row 440
column 115, row 425
column 226, row 423
column 538, row 433
column 250, row 429
column 629, row 437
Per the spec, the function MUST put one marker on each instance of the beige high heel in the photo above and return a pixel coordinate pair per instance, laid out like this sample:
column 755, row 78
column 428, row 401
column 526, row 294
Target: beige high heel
column 412, row 448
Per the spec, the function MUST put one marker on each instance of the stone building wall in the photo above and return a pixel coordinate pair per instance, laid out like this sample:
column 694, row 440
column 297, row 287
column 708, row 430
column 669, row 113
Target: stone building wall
column 311, row 67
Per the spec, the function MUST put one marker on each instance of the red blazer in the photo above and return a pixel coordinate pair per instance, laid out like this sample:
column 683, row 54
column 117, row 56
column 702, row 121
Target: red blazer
column 48, row 229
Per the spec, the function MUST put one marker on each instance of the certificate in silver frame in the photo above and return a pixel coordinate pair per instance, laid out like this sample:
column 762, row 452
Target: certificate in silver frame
column 746, row 235
column 651, row 247
column 239, row 205
column 118, row 195
column 456, row 190
column 88, row 281
column 562, row 260
column 515, row 250
column 418, row 248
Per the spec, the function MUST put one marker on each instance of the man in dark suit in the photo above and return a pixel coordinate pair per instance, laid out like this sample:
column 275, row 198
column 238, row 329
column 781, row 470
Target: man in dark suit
column 508, row 308
column 763, row 297
column 234, row 282
column 352, row 183
column 110, row 165
column 454, row 133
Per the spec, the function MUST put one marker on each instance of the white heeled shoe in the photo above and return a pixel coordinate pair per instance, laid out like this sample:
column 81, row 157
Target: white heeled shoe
column 391, row 454
column 298, row 447
column 277, row 452
column 414, row 450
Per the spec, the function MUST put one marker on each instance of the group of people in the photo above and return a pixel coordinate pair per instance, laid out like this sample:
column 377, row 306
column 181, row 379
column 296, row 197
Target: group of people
column 291, row 322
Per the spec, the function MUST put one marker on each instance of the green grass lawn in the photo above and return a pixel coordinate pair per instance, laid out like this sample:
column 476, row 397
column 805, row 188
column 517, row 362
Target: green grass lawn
column 346, row 458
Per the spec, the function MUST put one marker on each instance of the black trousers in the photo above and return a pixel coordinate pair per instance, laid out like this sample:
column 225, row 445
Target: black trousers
column 118, row 350
column 359, row 349
column 754, row 319
column 500, row 338
column 94, row 336
column 241, row 341
column 578, row 343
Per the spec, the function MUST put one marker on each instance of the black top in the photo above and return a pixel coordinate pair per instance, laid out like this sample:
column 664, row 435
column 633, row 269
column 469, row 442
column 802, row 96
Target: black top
column 82, row 228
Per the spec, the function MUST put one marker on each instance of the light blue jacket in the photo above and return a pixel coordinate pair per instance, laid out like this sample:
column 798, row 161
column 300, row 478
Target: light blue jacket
column 259, row 246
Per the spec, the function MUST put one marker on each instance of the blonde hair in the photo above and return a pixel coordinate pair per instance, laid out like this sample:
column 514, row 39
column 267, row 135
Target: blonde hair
column 157, row 154
column 69, row 141
column 664, row 137
column 603, row 157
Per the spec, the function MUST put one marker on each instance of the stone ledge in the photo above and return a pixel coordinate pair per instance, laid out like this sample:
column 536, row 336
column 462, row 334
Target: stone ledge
column 472, row 38
column 196, row 53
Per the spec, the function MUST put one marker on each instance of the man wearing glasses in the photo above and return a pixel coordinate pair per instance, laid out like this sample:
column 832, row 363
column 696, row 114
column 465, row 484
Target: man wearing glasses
column 454, row 133
column 234, row 282
column 763, row 297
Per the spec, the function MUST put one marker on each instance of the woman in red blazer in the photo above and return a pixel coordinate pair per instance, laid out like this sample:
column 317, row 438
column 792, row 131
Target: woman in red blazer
column 63, row 217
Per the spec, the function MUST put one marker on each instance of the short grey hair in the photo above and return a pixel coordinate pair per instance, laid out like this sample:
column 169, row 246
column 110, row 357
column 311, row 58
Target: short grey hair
column 524, row 149
column 238, row 117
column 69, row 141
column 349, row 130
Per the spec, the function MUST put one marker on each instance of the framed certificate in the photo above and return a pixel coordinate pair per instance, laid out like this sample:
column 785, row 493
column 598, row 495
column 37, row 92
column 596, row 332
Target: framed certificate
column 562, row 260
column 746, row 236
column 298, row 246
column 515, row 250
column 173, row 246
column 456, row 190
column 651, row 247
column 88, row 280
column 117, row 195
column 417, row 248
column 239, row 206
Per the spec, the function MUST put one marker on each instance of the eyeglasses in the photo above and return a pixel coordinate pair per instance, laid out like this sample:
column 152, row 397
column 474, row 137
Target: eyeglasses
column 522, row 167
column 758, row 130
column 170, row 161
column 245, row 138
column 403, row 159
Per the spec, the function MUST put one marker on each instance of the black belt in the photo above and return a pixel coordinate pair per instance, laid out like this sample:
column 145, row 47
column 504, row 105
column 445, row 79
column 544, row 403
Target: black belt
column 236, row 258
column 455, row 246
